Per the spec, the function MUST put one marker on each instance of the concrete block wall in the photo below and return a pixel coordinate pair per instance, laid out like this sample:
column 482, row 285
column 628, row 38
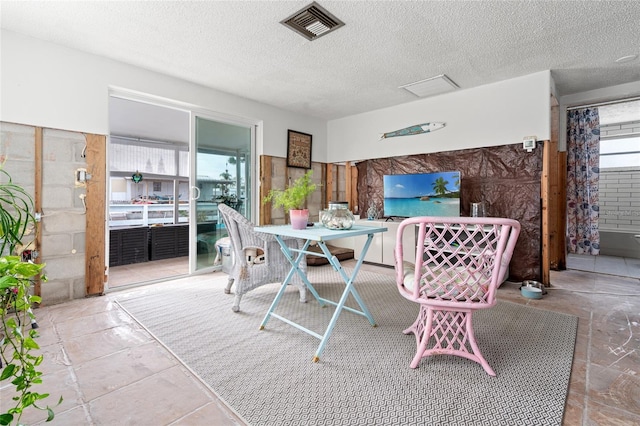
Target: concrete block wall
column 63, row 216
column 17, row 156
column 63, row 220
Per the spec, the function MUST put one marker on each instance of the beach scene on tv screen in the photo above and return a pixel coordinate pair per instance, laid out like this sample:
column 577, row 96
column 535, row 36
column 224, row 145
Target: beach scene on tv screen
column 423, row 194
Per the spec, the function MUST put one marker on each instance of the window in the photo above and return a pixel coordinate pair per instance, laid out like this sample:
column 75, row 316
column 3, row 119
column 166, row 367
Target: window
column 619, row 152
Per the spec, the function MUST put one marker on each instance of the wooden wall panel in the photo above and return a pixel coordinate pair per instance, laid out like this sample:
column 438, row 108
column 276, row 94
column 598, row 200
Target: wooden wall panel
column 329, row 185
column 330, row 190
column 95, row 244
column 353, row 184
column 347, row 179
column 562, row 210
column 546, row 193
column 37, row 201
column 265, row 187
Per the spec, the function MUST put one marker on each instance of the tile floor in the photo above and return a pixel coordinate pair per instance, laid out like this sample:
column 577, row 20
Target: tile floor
column 623, row 266
column 147, row 272
column 111, row 371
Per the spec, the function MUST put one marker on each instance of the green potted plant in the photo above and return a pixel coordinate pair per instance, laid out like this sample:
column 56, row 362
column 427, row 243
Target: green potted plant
column 293, row 199
column 18, row 364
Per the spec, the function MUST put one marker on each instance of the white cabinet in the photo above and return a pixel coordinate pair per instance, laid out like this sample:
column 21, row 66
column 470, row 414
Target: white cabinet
column 375, row 249
column 383, row 245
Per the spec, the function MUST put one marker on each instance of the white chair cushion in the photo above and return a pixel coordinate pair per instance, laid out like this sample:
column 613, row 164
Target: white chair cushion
column 451, row 281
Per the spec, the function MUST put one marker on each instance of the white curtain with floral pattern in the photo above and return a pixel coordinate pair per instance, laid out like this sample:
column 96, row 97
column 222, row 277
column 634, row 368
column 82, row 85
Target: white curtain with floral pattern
column 583, row 174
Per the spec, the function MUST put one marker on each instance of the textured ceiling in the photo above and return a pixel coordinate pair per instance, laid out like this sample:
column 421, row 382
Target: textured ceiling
column 241, row 48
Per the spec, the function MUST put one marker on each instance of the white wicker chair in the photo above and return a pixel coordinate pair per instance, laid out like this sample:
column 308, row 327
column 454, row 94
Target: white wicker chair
column 257, row 257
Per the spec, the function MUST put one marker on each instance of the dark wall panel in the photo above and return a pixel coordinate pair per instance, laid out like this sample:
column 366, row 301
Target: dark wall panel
column 506, row 178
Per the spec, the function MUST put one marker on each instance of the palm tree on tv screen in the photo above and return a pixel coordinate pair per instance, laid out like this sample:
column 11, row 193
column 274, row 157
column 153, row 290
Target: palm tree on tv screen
column 440, row 186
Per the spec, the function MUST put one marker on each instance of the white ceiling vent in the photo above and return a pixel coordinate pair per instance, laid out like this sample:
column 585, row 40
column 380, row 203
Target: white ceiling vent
column 312, row 22
column 431, row 86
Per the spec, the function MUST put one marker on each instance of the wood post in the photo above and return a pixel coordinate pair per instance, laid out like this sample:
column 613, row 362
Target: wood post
column 553, row 252
column 562, row 211
column 353, row 184
column 329, row 185
column 95, row 233
column 348, row 189
column 265, row 187
column 37, row 202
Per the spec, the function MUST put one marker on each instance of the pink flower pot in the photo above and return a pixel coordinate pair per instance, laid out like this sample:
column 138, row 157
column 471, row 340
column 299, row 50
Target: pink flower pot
column 299, row 218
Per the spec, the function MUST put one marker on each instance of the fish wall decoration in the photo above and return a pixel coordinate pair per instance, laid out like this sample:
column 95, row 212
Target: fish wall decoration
column 414, row 130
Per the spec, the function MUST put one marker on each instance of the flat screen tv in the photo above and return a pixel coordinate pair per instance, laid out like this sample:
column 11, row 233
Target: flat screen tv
column 422, row 194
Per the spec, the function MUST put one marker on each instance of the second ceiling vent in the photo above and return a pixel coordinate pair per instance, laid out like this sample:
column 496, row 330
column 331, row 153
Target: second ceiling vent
column 312, row 22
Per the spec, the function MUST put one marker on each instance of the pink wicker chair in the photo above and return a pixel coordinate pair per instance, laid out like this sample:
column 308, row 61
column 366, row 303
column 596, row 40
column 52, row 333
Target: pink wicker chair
column 270, row 265
column 460, row 263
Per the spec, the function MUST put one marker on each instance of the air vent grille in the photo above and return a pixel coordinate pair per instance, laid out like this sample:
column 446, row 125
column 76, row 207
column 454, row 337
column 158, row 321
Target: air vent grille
column 431, row 86
column 312, row 22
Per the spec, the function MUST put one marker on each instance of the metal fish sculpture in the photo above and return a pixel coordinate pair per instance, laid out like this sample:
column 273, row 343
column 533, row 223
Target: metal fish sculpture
column 414, row 130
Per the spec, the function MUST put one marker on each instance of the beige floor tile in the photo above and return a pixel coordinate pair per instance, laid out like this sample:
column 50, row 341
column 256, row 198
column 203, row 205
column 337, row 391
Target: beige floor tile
column 108, row 373
column 59, row 384
column 603, row 415
column 213, row 413
column 614, row 389
column 81, row 326
column 159, row 399
column 578, row 380
column 54, row 358
column 574, row 409
column 105, row 342
column 75, row 309
column 75, row 417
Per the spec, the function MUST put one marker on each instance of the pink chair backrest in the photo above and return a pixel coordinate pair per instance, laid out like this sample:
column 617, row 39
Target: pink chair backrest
column 457, row 259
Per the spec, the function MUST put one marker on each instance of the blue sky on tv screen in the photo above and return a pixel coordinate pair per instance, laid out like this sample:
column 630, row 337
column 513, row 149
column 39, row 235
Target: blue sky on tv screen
column 418, row 185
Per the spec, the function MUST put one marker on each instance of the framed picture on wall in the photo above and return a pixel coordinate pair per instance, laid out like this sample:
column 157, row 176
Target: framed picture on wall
column 298, row 149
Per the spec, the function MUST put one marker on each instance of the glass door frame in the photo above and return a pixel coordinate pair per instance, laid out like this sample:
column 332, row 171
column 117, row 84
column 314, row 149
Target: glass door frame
column 194, row 193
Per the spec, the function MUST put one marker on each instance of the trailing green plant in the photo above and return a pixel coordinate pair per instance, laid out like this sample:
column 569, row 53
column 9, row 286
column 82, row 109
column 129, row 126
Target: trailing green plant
column 295, row 195
column 17, row 362
column 16, row 215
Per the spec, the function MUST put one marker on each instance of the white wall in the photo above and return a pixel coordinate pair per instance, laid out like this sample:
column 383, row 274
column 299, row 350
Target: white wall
column 495, row 114
column 47, row 85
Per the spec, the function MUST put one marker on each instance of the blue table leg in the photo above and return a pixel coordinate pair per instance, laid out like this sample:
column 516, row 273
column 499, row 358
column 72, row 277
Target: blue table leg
column 295, row 265
column 295, row 268
column 349, row 289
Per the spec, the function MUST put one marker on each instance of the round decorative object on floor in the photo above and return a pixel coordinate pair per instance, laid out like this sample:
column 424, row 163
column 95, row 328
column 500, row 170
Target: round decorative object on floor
column 531, row 292
column 536, row 284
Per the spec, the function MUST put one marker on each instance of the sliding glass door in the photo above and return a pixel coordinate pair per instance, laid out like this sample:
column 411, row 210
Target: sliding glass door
column 220, row 174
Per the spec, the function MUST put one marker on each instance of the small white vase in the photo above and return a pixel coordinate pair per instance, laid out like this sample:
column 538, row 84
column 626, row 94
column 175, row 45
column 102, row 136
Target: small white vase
column 299, row 218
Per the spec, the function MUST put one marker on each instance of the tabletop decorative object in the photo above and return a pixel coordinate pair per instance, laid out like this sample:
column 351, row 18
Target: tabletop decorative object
column 293, row 199
column 372, row 212
column 338, row 217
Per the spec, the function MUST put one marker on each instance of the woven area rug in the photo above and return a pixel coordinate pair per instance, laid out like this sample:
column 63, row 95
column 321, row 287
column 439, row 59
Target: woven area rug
column 363, row 376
